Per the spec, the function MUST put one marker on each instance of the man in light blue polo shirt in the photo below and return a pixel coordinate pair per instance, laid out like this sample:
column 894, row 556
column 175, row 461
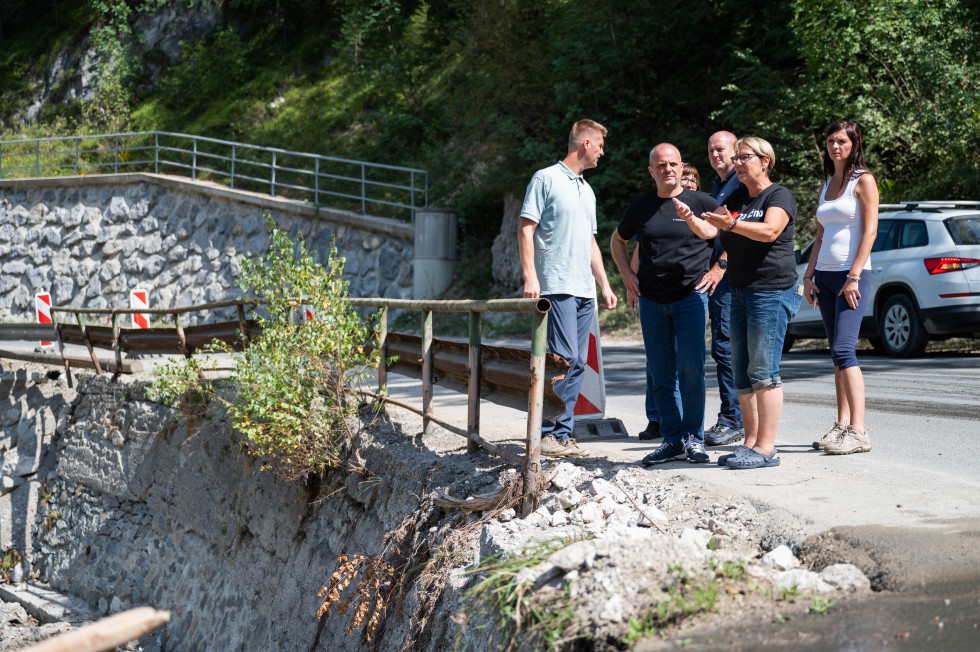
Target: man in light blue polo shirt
column 562, row 262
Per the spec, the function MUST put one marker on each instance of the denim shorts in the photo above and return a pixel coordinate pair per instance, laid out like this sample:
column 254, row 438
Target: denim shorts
column 758, row 325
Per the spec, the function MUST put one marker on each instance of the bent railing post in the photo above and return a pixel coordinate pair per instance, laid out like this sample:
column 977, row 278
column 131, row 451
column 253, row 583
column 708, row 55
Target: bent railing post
column 473, row 394
column 88, row 343
column 427, row 371
column 383, row 348
column 535, row 408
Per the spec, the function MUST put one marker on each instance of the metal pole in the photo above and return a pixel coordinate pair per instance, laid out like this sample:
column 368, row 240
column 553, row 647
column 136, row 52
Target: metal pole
column 383, row 346
column 363, row 191
column 232, row 166
column 180, row 334
column 115, row 168
column 273, row 191
column 241, row 323
column 1, row 161
column 427, row 371
column 37, row 158
column 115, row 343
column 535, row 403
column 156, row 152
column 194, row 161
column 316, row 181
column 76, row 157
column 473, row 369
column 88, row 344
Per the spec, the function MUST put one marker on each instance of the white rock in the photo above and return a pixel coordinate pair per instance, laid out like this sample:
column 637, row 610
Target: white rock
column 507, row 515
column 697, row 538
column 846, row 577
column 602, row 487
column 569, row 498
column 657, row 517
column 565, row 475
column 588, row 513
column 580, row 553
column 17, row 573
column 543, row 512
column 612, row 610
column 780, row 558
column 803, row 580
column 115, row 606
column 558, row 519
column 537, row 575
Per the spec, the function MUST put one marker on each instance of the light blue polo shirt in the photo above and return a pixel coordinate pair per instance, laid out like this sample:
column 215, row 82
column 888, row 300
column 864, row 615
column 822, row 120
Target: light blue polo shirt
column 563, row 205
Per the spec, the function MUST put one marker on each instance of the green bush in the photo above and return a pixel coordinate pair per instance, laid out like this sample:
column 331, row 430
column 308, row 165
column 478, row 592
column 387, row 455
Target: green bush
column 294, row 386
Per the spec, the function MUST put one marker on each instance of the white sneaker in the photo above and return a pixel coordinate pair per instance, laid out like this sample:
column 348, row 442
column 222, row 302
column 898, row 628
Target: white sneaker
column 830, row 437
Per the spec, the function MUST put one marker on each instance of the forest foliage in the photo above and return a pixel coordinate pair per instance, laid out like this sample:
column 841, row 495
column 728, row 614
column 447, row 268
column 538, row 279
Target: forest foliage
column 482, row 92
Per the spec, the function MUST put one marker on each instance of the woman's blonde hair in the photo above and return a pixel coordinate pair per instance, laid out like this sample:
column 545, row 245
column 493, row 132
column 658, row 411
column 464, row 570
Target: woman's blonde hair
column 759, row 147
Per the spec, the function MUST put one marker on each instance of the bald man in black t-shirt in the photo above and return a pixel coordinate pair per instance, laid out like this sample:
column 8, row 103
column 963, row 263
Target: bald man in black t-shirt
column 675, row 252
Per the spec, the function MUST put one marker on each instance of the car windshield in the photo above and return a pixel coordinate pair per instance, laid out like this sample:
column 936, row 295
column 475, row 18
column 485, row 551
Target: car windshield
column 965, row 230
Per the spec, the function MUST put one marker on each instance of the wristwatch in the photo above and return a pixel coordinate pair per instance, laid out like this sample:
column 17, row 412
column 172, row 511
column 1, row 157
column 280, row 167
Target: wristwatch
column 723, row 263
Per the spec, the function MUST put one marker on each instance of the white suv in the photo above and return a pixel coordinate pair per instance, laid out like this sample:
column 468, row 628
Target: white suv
column 925, row 278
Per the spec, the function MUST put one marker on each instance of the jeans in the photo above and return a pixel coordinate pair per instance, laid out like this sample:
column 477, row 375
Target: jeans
column 759, row 320
column 720, row 309
column 841, row 321
column 673, row 338
column 568, row 336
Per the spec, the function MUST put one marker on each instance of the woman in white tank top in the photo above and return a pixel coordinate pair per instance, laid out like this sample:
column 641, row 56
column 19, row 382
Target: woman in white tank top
column 838, row 278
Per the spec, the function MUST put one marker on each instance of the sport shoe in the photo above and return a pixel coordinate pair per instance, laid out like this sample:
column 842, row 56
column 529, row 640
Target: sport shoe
column 652, row 431
column 695, row 451
column 666, row 453
column 551, row 447
column 830, row 437
column 721, row 435
column 849, row 441
column 574, row 450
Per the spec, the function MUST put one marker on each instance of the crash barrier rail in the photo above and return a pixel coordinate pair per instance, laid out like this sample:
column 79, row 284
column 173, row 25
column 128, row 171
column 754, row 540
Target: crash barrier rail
column 507, row 376
column 347, row 183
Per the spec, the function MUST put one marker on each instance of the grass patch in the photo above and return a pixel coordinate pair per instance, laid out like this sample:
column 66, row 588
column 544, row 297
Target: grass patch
column 687, row 597
column 520, row 617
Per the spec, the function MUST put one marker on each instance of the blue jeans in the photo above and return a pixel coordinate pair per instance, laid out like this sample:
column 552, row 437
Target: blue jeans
column 673, row 337
column 841, row 321
column 720, row 310
column 568, row 336
column 759, row 320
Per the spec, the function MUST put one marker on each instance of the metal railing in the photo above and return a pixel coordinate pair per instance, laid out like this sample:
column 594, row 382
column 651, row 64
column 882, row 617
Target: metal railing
column 346, row 183
column 500, row 374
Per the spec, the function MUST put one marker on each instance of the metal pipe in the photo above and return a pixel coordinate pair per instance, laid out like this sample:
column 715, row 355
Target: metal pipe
column 272, row 191
column 88, row 344
column 180, row 334
column 363, row 191
column 61, row 351
column 241, row 323
column 316, row 180
column 539, row 305
column 115, row 168
column 156, row 153
column 426, row 371
column 473, row 390
column 194, row 161
column 37, row 158
column 232, row 166
column 76, row 157
column 532, row 466
column 115, row 341
column 383, row 346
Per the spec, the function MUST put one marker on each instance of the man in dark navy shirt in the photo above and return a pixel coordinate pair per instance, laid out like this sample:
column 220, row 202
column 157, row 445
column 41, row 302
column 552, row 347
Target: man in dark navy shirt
column 728, row 429
column 675, row 253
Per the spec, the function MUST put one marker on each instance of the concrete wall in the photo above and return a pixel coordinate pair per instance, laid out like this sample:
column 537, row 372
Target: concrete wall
column 90, row 240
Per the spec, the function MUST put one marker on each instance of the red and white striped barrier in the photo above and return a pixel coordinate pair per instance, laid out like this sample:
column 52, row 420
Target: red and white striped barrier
column 591, row 402
column 42, row 305
column 139, row 299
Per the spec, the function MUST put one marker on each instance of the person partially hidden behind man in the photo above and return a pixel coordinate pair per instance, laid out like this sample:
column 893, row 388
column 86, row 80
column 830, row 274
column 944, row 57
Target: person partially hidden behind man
column 561, row 261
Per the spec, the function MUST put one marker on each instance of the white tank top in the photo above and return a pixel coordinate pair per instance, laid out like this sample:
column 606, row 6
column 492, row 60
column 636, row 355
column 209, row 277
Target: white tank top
column 841, row 222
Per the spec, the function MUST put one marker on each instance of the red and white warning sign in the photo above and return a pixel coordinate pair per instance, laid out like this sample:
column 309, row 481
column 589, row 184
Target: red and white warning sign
column 306, row 314
column 140, row 300
column 42, row 304
column 591, row 402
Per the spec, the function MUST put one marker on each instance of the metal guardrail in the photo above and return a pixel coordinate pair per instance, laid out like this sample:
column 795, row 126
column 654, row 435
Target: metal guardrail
column 351, row 183
column 513, row 377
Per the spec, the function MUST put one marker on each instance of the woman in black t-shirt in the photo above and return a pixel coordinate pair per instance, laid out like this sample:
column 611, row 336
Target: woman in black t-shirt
column 758, row 237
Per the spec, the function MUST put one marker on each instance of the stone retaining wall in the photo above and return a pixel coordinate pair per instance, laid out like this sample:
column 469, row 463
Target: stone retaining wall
column 90, row 240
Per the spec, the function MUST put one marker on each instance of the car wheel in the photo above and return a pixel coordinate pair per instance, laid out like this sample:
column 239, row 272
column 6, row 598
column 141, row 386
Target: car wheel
column 902, row 334
column 788, row 342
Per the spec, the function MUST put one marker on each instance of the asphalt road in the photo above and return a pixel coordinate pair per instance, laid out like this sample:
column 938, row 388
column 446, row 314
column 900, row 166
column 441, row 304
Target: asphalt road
column 923, row 415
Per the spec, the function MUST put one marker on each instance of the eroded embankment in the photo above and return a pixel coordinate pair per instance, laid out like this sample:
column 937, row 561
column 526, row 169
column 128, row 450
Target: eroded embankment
column 128, row 502
column 133, row 504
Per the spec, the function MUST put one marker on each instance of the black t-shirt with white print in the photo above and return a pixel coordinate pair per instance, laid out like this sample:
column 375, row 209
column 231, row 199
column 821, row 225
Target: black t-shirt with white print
column 672, row 258
column 761, row 265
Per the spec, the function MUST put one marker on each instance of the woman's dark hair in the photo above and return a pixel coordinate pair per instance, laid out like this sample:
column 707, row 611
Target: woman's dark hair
column 856, row 160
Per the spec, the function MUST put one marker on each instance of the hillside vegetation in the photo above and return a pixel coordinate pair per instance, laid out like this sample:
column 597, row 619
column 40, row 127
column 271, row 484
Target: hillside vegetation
column 482, row 92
